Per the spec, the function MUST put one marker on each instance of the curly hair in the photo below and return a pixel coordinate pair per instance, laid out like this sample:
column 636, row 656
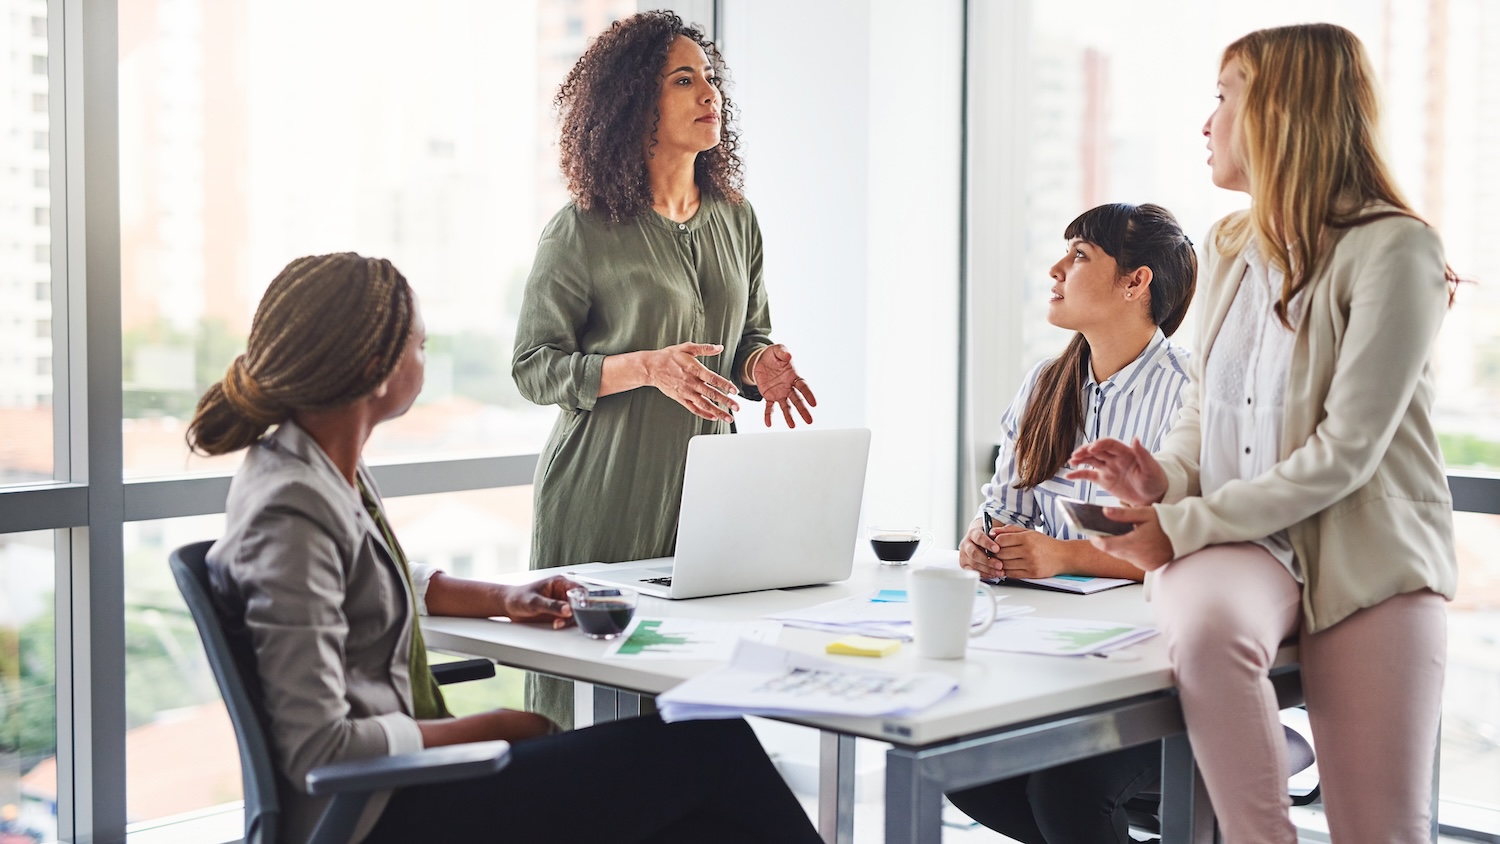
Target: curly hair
column 607, row 105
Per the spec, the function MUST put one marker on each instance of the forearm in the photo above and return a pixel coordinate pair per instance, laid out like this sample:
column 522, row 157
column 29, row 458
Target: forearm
column 1084, row 558
column 455, row 596
column 501, row 724
column 625, row 372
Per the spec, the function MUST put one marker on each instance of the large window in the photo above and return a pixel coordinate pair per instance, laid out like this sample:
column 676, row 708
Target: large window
column 26, row 436
column 1111, row 98
column 247, row 140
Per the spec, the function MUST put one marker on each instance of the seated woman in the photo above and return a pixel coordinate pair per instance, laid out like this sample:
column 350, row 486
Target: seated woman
column 309, row 572
column 1124, row 286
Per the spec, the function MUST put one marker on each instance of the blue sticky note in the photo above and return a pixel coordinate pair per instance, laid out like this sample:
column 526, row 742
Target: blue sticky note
column 890, row 596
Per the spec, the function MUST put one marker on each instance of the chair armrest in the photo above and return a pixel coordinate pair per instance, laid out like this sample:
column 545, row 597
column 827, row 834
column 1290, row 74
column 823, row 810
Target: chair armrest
column 463, row 671
column 425, row 767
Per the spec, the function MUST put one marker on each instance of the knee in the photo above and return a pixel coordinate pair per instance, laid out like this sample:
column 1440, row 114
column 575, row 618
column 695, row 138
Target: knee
column 1210, row 629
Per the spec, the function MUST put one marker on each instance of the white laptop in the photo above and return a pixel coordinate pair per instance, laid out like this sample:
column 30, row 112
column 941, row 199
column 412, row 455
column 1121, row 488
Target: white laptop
column 759, row 511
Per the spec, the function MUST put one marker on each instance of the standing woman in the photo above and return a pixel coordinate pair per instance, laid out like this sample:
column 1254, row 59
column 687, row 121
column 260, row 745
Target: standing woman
column 1124, row 285
column 1302, row 490
column 645, row 313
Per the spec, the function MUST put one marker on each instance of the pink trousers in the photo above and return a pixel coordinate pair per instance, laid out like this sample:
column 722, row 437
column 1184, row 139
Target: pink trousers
column 1373, row 684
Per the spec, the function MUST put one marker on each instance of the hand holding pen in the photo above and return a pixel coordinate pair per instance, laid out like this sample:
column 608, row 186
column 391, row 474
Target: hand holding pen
column 978, row 551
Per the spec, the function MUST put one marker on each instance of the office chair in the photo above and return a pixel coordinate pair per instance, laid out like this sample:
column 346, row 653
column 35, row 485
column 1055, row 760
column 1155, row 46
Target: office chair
column 349, row 784
column 1144, row 809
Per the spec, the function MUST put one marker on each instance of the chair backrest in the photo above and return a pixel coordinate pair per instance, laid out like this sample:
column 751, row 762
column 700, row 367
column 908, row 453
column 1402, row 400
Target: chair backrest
column 262, row 806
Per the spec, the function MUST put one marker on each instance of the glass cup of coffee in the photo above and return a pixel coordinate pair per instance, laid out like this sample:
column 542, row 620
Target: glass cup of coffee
column 896, row 546
column 602, row 612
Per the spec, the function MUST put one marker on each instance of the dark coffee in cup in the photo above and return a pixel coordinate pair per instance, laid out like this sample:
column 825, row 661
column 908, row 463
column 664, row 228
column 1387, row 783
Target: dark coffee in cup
column 894, row 548
column 604, row 619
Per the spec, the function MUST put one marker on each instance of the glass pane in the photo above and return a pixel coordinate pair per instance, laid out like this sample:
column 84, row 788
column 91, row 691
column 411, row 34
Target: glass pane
column 1471, row 698
column 392, row 131
column 28, row 689
column 26, row 242
column 180, row 752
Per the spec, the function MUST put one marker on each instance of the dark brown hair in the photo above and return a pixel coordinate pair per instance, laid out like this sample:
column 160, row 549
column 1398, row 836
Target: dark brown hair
column 607, row 110
column 329, row 330
column 1135, row 236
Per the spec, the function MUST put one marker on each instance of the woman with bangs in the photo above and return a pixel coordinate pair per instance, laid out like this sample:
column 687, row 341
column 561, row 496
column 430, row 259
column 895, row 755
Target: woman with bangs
column 1302, row 491
column 1124, row 285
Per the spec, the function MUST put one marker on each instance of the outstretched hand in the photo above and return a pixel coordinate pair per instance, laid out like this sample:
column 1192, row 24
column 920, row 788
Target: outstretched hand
column 678, row 373
column 781, row 386
column 1128, row 472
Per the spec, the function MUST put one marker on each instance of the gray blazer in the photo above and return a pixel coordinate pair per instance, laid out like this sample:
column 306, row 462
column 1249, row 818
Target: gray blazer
column 303, row 573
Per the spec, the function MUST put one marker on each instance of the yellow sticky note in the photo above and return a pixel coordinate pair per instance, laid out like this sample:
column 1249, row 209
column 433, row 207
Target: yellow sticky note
column 863, row 646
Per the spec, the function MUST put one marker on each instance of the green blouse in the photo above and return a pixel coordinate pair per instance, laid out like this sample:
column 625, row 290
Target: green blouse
column 609, row 482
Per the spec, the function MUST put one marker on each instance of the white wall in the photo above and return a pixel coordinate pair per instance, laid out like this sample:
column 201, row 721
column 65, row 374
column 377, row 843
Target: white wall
column 851, row 113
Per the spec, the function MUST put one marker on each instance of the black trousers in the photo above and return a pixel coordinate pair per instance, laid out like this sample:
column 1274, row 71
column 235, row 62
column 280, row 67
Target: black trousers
column 637, row 780
column 1079, row 803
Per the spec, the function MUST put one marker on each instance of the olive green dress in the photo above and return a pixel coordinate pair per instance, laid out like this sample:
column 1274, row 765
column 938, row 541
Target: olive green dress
column 609, row 482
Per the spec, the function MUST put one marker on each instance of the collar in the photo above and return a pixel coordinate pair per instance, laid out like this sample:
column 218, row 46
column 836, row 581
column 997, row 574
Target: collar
column 1126, row 380
column 292, row 440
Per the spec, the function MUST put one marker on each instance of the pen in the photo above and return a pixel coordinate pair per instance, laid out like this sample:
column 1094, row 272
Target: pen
column 989, row 525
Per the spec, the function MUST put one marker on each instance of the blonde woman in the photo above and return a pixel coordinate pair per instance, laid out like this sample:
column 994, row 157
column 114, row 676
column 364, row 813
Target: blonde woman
column 1301, row 492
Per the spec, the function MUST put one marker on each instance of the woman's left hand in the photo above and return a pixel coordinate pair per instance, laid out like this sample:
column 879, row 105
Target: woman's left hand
column 780, row 385
column 1147, row 547
column 1028, row 553
column 541, row 600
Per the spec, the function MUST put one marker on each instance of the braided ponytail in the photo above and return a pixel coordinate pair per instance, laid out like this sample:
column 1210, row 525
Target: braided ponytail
column 328, row 331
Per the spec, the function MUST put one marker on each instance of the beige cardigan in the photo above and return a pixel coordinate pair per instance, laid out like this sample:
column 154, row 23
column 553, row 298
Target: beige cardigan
column 1360, row 483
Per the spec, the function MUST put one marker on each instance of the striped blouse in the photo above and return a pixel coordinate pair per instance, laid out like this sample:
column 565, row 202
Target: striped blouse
column 1140, row 400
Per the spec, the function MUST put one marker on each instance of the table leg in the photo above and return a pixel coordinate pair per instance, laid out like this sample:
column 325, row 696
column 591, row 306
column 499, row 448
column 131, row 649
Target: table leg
column 606, row 705
column 913, row 803
column 836, row 788
column 1186, row 815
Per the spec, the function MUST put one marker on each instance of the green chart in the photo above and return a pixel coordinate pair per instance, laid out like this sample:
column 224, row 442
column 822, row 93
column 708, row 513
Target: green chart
column 648, row 635
column 1077, row 640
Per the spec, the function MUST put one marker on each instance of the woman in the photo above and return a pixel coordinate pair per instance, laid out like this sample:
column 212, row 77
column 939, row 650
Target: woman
column 645, row 313
column 1302, row 490
column 310, row 576
column 1124, row 285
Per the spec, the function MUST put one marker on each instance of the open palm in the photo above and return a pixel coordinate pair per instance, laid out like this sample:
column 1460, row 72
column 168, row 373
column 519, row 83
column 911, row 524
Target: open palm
column 781, row 386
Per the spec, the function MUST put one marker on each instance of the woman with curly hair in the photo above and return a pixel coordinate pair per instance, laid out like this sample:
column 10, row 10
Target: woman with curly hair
column 645, row 314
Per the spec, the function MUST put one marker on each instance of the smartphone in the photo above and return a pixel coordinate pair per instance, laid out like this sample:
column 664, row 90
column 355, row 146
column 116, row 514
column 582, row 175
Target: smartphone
column 1089, row 519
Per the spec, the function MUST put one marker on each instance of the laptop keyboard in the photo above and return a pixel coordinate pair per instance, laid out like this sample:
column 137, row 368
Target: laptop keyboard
column 658, row 581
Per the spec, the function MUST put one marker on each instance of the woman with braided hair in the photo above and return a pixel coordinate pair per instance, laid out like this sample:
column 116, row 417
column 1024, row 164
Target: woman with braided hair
column 645, row 314
column 310, row 577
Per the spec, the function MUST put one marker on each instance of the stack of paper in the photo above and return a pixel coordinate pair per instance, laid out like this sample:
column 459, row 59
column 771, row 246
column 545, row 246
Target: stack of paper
column 1060, row 636
column 767, row 680
column 885, row 615
column 688, row 639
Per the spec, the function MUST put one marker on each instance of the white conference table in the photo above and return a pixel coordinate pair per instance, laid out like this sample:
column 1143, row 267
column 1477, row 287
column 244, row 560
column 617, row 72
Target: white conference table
column 1012, row 713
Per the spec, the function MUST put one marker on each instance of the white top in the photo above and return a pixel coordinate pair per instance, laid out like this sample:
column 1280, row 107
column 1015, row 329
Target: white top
column 1139, row 401
column 1244, row 389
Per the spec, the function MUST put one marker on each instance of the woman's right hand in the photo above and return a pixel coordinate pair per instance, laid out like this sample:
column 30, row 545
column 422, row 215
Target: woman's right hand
column 1128, row 472
column 678, row 373
column 978, row 551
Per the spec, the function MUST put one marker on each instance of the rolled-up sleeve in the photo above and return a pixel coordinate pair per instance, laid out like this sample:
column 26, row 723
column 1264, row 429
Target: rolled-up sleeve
column 756, row 333
column 549, row 364
column 421, row 576
column 288, row 571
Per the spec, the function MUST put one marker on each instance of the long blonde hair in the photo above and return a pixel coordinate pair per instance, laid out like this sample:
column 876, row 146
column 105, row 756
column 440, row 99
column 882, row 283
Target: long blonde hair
column 1308, row 136
column 329, row 330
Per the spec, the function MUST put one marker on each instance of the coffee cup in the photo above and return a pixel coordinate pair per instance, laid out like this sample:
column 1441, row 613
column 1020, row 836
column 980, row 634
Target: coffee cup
column 602, row 612
column 942, row 604
column 895, row 546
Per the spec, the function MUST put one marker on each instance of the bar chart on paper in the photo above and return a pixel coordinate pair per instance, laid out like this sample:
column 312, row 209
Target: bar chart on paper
column 689, row 638
column 1060, row 636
